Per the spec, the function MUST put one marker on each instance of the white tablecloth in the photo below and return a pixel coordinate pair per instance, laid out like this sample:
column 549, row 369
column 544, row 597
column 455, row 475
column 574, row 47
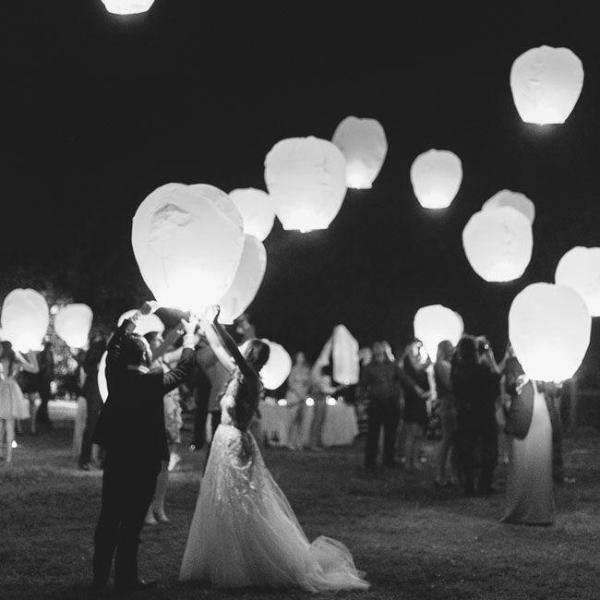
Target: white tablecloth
column 340, row 427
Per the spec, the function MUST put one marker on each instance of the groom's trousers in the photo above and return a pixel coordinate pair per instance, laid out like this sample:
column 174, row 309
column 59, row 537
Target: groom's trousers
column 127, row 492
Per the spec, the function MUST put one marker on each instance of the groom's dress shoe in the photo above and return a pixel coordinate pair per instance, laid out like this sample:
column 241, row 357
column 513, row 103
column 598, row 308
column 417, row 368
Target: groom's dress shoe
column 135, row 586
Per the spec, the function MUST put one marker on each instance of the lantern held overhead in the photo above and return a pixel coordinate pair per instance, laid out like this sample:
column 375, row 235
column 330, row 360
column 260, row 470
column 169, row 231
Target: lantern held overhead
column 256, row 208
column 436, row 176
column 434, row 324
column 73, row 324
column 516, row 200
column 579, row 269
column 25, row 319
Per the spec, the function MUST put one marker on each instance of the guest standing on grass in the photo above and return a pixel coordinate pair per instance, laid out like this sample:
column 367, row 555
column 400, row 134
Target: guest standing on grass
column 44, row 379
column 297, row 392
column 321, row 388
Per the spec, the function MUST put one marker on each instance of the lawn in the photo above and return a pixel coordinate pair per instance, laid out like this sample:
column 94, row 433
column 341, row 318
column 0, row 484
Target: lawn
column 413, row 541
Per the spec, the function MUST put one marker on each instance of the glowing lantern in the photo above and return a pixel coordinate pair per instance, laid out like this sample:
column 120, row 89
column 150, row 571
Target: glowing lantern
column 188, row 242
column 344, row 353
column 434, row 324
column 25, row 319
column 579, row 268
column 306, row 178
column 436, row 176
column 364, row 146
column 73, row 323
column 102, row 385
column 256, row 208
column 498, row 243
column 549, row 328
column 127, row 7
column 144, row 323
column 516, row 200
column 277, row 368
column 546, row 83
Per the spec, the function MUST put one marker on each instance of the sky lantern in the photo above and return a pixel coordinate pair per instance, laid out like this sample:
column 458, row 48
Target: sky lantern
column 364, row 146
column 549, row 328
column 188, row 242
column 247, row 281
column 144, row 323
column 434, row 324
column 516, row 200
column 306, row 178
column 579, row 269
column 73, row 323
column 102, row 385
column 498, row 243
column 546, row 83
column 277, row 368
column 436, row 176
column 344, row 354
column 25, row 319
column 127, row 7
column 256, row 208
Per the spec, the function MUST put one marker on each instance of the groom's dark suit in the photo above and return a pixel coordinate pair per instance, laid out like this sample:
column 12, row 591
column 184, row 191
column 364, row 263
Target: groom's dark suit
column 131, row 430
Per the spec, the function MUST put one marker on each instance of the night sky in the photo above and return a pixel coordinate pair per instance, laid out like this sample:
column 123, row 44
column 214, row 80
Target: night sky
column 104, row 109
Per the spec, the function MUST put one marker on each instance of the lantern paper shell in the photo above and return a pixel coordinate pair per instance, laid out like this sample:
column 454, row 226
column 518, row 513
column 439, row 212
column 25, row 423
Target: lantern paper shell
column 546, row 83
column 73, row 324
column 515, row 200
column 277, row 368
column 247, row 281
column 306, row 178
column 434, row 324
column 127, row 7
column 549, row 328
column 364, row 146
column 102, row 385
column 498, row 243
column 256, row 209
column 188, row 242
column 579, row 269
column 25, row 319
column 346, row 367
column 144, row 324
column 436, row 176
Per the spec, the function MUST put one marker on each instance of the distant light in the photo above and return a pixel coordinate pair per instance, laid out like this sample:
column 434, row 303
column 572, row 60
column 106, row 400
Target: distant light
column 277, row 368
column 434, row 324
column 25, row 319
column 310, row 402
column 344, row 352
column 516, row 200
column 546, row 83
column 14, row 444
column 331, row 401
column 102, row 385
column 54, row 309
column 257, row 210
column 127, row 7
column 436, row 176
column 579, row 269
column 282, row 402
column 364, row 146
column 73, row 323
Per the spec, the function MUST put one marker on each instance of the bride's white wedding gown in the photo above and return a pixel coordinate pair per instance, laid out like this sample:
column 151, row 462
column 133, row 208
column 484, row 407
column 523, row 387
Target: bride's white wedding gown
column 244, row 532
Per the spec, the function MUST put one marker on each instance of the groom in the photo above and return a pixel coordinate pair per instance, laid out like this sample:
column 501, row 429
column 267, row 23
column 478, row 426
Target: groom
column 131, row 431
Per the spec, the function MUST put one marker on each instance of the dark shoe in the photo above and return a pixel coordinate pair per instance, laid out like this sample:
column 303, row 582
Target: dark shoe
column 391, row 464
column 135, row 586
column 490, row 491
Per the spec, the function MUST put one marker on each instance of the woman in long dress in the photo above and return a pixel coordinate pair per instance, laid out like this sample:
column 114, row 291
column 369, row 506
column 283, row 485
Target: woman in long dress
column 298, row 388
column 244, row 532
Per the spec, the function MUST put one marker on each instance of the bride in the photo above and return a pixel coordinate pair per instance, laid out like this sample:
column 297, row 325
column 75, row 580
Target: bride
column 244, row 532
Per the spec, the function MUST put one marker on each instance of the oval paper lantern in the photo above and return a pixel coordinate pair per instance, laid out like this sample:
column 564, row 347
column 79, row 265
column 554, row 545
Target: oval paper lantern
column 127, row 7
column 344, row 354
column 246, row 283
column 256, row 208
column 277, row 368
column 436, row 176
column 498, row 243
column 579, row 268
column 144, row 324
column 546, row 83
column 306, row 178
column 515, row 200
column 549, row 329
column 25, row 319
column 73, row 324
column 364, row 146
column 434, row 324
column 102, row 385
column 188, row 242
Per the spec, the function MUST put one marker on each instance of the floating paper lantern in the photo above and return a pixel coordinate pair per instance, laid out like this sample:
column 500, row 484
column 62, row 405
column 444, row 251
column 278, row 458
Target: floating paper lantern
column 144, row 323
column 434, row 324
column 25, row 319
column 364, row 146
column 127, row 7
column 436, row 176
column 188, row 242
column 344, row 353
column 549, row 328
column 498, row 243
column 277, row 368
column 546, row 83
column 256, row 208
column 73, row 323
column 306, row 178
column 102, row 385
column 579, row 269
column 516, row 200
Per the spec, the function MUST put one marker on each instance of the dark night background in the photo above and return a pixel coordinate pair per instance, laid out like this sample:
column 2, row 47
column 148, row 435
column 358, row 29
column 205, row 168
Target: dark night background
column 103, row 109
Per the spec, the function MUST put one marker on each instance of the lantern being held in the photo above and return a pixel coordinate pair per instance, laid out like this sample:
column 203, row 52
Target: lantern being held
column 579, row 268
column 188, row 242
column 102, row 385
column 256, row 208
column 25, row 319
column 546, row 83
column 434, row 324
column 306, row 178
column 516, row 200
column 364, row 146
column 498, row 243
column 277, row 368
column 127, row 7
column 549, row 328
column 73, row 324
column 144, row 324
column 436, row 176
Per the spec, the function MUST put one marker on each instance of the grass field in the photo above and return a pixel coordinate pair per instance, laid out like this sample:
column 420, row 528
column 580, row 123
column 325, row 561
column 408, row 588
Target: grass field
column 413, row 541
